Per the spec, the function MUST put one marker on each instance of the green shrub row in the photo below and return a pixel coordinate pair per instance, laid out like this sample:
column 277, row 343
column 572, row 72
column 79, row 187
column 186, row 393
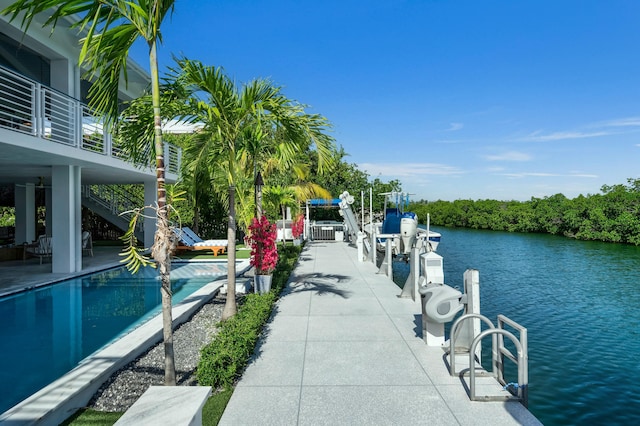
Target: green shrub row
column 223, row 360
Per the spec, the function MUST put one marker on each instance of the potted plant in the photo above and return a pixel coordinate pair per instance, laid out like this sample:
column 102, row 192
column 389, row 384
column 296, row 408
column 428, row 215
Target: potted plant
column 297, row 228
column 264, row 253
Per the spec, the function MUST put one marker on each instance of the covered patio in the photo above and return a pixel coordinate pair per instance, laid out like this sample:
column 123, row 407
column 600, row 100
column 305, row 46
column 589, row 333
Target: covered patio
column 18, row 275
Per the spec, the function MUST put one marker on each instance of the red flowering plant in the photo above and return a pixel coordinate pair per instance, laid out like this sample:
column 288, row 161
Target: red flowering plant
column 264, row 253
column 297, row 227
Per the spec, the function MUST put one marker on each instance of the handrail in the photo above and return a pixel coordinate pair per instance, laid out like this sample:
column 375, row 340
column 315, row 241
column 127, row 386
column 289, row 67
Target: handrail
column 116, row 199
column 454, row 334
column 35, row 109
column 502, row 351
column 498, row 353
column 523, row 380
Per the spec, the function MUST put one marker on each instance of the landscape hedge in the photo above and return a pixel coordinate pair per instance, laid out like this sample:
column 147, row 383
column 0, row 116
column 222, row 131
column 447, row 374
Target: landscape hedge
column 223, row 360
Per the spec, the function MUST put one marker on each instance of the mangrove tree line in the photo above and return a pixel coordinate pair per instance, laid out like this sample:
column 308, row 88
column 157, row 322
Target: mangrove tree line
column 611, row 216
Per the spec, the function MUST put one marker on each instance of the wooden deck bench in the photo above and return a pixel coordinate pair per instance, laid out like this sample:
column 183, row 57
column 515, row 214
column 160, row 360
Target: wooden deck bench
column 168, row 405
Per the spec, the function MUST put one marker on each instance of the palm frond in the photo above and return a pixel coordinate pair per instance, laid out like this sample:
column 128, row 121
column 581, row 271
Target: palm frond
column 134, row 257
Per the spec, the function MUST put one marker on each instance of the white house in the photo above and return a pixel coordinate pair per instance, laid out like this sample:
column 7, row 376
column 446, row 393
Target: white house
column 49, row 140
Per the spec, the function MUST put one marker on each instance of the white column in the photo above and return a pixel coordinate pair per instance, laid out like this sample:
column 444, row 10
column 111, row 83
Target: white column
column 63, row 76
column 25, row 201
column 48, row 224
column 150, row 199
column 66, row 218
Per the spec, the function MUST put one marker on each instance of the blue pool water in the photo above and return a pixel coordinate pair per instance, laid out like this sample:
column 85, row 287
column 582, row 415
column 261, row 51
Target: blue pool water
column 46, row 332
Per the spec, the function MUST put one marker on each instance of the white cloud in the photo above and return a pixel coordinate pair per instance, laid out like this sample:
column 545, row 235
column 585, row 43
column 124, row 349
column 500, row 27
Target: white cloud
column 409, row 169
column 622, row 122
column 455, row 126
column 558, row 136
column 509, row 156
column 541, row 174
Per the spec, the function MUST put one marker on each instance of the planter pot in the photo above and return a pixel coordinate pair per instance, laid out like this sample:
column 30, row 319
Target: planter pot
column 262, row 283
column 297, row 242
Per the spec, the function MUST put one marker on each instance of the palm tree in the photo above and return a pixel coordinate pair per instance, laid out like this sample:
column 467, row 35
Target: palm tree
column 281, row 197
column 236, row 121
column 111, row 28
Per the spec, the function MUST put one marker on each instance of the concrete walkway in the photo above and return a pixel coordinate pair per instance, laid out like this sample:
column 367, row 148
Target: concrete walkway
column 342, row 348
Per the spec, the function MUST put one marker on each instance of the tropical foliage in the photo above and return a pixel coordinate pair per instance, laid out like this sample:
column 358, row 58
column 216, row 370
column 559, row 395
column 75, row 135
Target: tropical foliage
column 611, row 216
column 262, row 238
column 297, row 227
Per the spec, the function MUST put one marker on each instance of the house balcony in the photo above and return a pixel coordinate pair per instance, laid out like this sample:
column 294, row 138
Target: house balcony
column 41, row 127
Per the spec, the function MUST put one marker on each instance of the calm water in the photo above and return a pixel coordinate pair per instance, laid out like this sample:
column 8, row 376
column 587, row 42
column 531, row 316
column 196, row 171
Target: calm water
column 46, row 332
column 578, row 300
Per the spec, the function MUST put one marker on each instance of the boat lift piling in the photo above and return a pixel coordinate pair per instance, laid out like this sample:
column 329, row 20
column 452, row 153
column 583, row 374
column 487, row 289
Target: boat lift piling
column 387, row 264
column 410, row 288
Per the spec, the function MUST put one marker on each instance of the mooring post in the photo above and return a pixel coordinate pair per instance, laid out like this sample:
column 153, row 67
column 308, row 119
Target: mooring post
column 374, row 247
column 470, row 329
column 411, row 285
column 387, row 264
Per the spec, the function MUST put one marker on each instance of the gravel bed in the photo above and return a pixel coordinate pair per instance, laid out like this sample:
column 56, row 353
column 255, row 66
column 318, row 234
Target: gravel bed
column 129, row 383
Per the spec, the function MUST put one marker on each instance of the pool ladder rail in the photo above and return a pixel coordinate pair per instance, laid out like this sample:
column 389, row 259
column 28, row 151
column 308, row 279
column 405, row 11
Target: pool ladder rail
column 515, row 391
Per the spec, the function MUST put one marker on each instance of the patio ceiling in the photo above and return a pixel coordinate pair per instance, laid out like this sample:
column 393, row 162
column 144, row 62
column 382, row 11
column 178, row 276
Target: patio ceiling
column 19, row 164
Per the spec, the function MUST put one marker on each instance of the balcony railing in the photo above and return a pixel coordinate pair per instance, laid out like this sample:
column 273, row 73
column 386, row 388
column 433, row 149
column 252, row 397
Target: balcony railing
column 34, row 109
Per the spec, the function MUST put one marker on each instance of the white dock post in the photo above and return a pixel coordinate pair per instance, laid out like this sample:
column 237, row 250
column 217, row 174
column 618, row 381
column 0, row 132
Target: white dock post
column 373, row 255
column 360, row 246
column 410, row 288
column 387, row 264
column 471, row 328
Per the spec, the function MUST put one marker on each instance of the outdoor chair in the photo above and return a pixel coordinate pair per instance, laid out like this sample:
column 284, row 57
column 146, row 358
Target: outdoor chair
column 189, row 240
column 87, row 243
column 41, row 249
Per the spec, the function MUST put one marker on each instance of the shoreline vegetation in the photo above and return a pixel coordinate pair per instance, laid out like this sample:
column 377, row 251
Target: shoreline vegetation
column 612, row 216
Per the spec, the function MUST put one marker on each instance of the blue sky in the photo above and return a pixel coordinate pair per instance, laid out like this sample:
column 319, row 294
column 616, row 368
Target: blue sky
column 458, row 99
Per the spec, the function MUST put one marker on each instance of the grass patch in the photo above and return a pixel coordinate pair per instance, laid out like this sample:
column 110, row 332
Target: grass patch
column 241, row 253
column 88, row 417
column 214, row 407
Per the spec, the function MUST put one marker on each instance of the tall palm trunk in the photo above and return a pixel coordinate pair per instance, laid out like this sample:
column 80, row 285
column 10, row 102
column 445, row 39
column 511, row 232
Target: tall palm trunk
column 161, row 249
column 230, row 307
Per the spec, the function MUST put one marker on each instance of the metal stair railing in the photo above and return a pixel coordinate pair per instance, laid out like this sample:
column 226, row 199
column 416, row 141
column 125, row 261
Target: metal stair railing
column 457, row 349
column 518, row 391
column 116, row 199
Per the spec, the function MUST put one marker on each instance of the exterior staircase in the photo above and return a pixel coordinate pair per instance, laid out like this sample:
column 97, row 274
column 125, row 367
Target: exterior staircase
column 114, row 203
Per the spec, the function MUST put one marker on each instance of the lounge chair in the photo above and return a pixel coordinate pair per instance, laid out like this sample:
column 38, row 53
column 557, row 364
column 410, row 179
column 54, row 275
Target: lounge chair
column 41, row 248
column 189, row 240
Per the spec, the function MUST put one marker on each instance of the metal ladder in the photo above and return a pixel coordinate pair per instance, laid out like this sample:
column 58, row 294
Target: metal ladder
column 498, row 354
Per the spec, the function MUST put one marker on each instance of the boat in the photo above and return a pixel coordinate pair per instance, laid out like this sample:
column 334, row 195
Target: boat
column 404, row 225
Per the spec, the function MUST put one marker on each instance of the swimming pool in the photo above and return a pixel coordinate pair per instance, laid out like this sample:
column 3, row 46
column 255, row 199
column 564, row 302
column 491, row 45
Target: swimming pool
column 47, row 331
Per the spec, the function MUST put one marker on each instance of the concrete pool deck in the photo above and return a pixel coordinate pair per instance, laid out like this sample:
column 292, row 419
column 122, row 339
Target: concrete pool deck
column 17, row 275
column 342, row 348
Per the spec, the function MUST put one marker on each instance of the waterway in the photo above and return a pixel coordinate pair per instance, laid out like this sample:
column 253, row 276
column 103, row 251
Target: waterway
column 579, row 302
